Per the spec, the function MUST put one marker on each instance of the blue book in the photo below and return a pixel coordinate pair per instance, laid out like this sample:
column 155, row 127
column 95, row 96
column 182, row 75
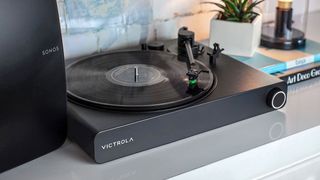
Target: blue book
column 273, row 61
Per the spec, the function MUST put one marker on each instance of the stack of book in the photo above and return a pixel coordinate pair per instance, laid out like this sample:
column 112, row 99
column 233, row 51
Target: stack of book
column 293, row 66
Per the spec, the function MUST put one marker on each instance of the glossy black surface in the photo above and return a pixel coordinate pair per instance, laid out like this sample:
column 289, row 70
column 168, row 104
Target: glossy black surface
column 136, row 81
column 241, row 93
column 283, row 22
column 294, row 41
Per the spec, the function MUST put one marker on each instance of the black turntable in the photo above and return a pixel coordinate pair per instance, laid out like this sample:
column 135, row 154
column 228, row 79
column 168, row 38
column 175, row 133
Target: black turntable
column 124, row 102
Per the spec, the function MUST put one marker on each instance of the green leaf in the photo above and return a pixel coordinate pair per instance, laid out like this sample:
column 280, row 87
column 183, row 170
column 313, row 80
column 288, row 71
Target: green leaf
column 254, row 13
column 207, row 2
column 252, row 5
column 220, row 6
column 238, row 3
column 233, row 19
column 221, row 13
column 236, row 10
column 216, row 4
column 232, row 6
column 247, row 16
column 244, row 4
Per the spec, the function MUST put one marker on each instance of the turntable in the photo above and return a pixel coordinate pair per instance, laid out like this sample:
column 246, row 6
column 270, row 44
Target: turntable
column 125, row 102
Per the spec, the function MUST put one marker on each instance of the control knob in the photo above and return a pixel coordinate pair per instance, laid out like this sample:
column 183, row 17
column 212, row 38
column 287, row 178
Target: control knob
column 276, row 98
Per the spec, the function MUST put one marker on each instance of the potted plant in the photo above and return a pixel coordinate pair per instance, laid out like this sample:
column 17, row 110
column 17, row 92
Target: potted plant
column 237, row 26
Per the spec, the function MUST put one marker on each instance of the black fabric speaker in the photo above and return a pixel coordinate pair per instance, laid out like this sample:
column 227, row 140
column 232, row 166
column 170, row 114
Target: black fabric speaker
column 32, row 81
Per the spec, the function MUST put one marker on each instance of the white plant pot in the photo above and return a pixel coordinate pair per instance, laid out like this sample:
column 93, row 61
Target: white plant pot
column 241, row 39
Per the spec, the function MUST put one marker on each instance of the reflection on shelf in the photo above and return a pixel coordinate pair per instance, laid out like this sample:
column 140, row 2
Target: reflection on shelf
column 197, row 151
column 166, row 161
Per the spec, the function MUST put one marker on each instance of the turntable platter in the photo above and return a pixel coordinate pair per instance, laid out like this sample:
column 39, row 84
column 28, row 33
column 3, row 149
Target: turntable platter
column 135, row 81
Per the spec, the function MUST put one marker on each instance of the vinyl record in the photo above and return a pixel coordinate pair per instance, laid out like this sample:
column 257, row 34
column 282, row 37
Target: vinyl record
column 135, row 81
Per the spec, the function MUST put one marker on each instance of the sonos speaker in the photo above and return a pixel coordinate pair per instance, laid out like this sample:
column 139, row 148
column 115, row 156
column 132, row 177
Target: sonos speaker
column 32, row 81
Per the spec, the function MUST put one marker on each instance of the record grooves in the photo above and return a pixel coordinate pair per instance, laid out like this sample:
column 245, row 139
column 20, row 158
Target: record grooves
column 135, row 81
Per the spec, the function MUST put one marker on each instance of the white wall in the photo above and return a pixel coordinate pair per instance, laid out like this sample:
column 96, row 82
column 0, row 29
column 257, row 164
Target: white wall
column 314, row 5
column 91, row 26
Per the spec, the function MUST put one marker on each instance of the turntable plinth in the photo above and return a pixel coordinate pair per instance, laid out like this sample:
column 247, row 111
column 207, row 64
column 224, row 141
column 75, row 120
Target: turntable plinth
column 232, row 92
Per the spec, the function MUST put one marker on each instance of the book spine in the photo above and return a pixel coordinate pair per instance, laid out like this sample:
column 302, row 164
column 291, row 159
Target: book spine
column 300, row 62
column 291, row 64
column 305, row 75
column 274, row 68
